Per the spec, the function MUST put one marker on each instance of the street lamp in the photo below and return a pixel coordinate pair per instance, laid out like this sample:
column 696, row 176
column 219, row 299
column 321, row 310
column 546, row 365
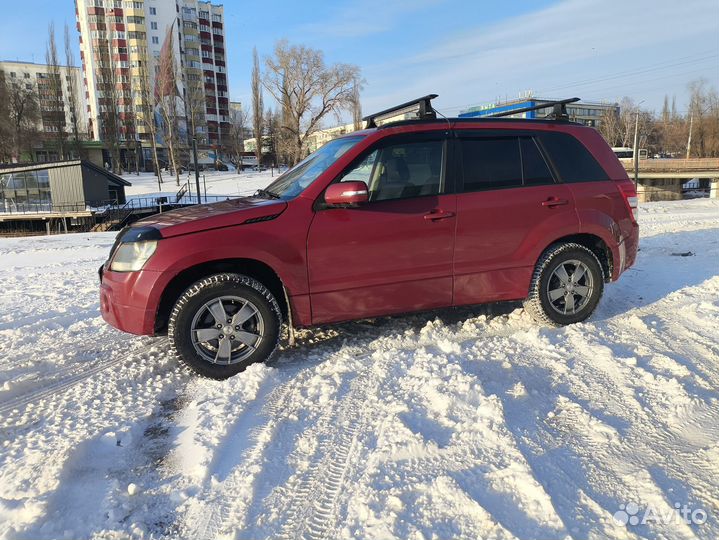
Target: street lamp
column 636, row 146
column 197, row 169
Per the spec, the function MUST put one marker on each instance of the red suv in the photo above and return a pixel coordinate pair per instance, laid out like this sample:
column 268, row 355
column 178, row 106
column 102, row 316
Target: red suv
column 408, row 216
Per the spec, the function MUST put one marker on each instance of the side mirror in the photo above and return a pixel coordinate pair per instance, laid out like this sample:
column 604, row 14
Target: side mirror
column 347, row 194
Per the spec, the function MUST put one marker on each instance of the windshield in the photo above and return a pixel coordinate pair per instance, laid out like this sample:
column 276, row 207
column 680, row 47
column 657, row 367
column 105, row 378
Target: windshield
column 294, row 181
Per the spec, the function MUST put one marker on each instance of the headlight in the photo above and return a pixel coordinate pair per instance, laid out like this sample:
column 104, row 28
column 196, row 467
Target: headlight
column 132, row 256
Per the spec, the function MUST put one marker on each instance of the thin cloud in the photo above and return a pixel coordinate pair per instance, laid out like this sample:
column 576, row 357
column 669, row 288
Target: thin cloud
column 367, row 17
column 538, row 48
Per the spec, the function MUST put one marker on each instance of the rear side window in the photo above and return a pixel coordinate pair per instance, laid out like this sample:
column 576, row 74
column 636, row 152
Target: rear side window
column 571, row 158
column 491, row 163
column 536, row 171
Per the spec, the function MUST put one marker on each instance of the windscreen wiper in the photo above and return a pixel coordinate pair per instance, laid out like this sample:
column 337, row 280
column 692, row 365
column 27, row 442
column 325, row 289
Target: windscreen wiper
column 267, row 194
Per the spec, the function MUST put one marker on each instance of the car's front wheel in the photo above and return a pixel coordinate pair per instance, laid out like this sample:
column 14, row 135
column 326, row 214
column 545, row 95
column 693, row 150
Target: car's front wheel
column 566, row 286
column 223, row 323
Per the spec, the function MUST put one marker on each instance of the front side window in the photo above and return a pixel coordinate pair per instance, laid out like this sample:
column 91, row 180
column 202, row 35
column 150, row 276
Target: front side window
column 297, row 179
column 400, row 171
column 363, row 171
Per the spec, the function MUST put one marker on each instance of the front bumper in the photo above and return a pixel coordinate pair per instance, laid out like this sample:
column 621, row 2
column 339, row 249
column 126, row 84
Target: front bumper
column 129, row 301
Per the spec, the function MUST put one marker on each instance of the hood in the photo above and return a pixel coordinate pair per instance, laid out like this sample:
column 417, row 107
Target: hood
column 213, row 216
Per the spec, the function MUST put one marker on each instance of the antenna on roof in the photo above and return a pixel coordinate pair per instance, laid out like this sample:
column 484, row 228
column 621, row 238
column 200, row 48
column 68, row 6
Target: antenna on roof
column 422, row 105
column 559, row 109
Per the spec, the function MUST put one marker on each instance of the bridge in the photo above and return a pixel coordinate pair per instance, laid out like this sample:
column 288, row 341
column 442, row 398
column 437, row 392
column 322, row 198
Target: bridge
column 662, row 179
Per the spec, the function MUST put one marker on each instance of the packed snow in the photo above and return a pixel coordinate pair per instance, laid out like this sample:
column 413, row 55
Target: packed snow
column 467, row 423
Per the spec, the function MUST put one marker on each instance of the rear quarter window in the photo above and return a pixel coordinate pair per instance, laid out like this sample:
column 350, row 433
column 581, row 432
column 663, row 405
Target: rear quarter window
column 571, row 159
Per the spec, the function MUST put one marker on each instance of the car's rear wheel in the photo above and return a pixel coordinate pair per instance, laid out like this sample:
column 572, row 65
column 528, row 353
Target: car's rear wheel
column 223, row 323
column 566, row 286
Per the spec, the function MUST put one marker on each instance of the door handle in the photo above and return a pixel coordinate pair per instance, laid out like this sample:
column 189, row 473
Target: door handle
column 553, row 201
column 436, row 215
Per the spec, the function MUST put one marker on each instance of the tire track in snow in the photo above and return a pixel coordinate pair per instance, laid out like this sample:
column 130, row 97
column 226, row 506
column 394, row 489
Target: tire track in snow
column 313, row 504
column 313, row 500
column 68, row 377
column 313, row 507
column 209, row 519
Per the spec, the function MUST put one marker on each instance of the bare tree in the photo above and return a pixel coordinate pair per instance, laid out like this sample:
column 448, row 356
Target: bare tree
column 610, row 126
column 272, row 121
column 194, row 101
column 166, row 88
column 109, row 86
column 129, row 137
column 257, row 105
column 357, row 107
column 5, row 131
column 703, row 136
column 665, row 110
column 238, row 131
column 142, row 89
column 23, row 113
column 627, row 112
column 307, row 90
column 73, row 96
column 52, row 102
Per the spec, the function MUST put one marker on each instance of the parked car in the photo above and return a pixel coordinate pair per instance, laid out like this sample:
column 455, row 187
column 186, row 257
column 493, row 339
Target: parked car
column 404, row 217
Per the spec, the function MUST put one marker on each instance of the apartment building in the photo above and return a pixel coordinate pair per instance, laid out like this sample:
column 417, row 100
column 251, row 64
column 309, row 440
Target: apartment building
column 205, row 58
column 54, row 116
column 126, row 39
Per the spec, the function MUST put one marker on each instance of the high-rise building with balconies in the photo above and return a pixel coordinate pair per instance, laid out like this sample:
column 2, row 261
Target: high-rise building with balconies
column 122, row 41
column 204, row 56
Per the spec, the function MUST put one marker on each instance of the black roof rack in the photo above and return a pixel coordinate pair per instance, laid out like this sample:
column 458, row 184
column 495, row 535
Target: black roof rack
column 423, row 104
column 559, row 111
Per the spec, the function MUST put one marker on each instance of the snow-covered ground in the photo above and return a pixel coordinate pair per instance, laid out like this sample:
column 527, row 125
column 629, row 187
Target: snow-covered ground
column 455, row 424
column 218, row 183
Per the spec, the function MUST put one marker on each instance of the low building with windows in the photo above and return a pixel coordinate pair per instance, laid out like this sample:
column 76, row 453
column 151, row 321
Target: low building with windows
column 59, row 196
column 64, row 186
column 583, row 112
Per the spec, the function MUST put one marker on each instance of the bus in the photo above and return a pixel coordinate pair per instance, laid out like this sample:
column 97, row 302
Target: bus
column 627, row 154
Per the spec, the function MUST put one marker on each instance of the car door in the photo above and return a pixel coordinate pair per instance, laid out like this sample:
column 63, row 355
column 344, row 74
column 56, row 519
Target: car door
column 392, row 254
column 509, row 208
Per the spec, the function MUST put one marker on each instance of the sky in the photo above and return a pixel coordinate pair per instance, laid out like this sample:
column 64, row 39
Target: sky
column 469, row 52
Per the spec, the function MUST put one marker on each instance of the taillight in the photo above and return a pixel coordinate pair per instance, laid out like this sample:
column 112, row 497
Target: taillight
column 630, row 198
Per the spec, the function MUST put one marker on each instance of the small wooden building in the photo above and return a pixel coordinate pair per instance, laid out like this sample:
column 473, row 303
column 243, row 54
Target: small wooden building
column 62, row 186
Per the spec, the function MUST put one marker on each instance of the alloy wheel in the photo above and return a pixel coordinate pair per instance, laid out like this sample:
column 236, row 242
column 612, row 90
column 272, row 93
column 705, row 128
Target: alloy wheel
column 570, row 287
column 227, row 330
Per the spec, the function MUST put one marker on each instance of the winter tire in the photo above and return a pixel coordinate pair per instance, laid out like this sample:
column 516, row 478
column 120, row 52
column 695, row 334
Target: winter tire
column 566, row 286
column 223, row 323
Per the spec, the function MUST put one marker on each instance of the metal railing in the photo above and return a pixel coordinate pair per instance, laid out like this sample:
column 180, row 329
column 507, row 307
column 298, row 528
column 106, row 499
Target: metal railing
column 191, row 199
column 9, row 206
column 181, row 192
column 183, row 198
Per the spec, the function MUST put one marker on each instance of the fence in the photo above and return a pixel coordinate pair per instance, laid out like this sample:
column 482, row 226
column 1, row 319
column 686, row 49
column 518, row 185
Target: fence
column 39, row 218
column 8, row 206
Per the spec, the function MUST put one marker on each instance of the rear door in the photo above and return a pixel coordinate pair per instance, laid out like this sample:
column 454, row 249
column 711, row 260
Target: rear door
column 394, row 253
column 509, row 208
